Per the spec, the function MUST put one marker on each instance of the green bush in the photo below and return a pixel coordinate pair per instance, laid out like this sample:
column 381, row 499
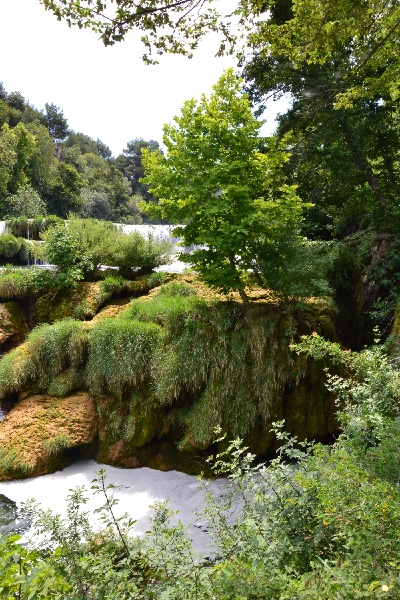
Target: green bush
column 9, row 245
column 134, row 251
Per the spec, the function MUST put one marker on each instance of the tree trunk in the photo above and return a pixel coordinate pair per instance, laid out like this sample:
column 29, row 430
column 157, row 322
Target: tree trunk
column 244, row 297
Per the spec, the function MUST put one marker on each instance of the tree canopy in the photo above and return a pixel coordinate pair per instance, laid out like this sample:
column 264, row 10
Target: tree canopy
column 303, row 31
column 223, row 182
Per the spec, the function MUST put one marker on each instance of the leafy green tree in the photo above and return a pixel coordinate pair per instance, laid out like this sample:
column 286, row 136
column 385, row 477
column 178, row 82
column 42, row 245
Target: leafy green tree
column 86, row 144
column 227, row 187
column 95, row 205
column 55, row 121
column 17, row 146
column 102, row 176
column 131, row 165
column 27, row 202
column 65, row 194
column 345, row 160
column 43, row 164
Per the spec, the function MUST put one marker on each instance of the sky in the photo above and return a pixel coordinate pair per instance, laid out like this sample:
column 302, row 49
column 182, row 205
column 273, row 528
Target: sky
column 106, row 93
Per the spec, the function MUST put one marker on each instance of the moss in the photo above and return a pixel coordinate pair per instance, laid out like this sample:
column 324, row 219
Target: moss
column 38, row 433
column 172, row 367
column 80, row 303
column 13, row 325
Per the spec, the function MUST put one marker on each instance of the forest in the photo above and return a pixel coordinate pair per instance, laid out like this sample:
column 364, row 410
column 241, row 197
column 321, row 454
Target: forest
column 272, row 361
column 48, row 169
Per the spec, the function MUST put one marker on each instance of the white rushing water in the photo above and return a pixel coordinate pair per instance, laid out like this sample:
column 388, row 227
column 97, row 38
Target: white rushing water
column 137, row 490
column 163, row 232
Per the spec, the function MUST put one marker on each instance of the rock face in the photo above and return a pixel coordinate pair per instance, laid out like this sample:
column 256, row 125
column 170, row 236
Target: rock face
column 40, row 434
column 162, row 373
column 13, row 325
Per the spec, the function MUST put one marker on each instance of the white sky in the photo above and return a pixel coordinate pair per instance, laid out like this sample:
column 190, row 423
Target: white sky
column 106, row 93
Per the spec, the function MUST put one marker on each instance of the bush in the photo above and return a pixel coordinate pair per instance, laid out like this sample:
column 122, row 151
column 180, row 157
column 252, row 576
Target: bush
column 9, row 245
column 134, row 251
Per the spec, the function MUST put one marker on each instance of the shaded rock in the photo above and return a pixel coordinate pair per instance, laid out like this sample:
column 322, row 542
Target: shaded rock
column 39, row 434
column 13, row 325
column 81, row 303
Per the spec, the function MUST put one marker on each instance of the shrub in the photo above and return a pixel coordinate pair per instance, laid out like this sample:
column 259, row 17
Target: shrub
column 9, row 245
column 134, row 251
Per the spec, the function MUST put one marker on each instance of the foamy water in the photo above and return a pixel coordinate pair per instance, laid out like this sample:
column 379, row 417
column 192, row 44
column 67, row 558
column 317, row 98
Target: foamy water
column 137, row 490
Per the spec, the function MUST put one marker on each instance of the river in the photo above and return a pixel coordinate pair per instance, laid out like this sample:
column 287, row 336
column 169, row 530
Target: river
column 137, row 490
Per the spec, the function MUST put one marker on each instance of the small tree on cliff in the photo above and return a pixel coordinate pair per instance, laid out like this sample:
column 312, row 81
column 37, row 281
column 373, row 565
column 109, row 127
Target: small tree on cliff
column 222, row 182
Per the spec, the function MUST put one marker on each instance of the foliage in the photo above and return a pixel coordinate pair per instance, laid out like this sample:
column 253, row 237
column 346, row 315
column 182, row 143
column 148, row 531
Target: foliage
column 31, row 228
column 27, row 202
column 316, row 522
column 81, row 245
column 301, row 33
column 183, row 22
column 10, row 247
column 131, row 165
column 55, row 122
column 135, row 251
column 93, row 237
column 62, row 248
column 226, row 185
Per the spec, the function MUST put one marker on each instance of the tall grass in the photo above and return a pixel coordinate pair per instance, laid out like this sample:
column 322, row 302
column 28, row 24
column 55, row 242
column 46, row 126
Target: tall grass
column 120, row 356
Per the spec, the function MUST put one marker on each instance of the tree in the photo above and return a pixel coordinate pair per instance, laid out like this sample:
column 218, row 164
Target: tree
column 26, row 202
column 306, row 31
column 131, row 165
column 345, row 159
column 223, row 183
column 55, row 121
column 86, row 144
column 183, row 21
column 17, row 146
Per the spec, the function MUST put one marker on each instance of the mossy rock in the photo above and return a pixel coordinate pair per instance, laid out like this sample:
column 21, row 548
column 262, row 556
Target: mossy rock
column 126, row 426
column 81, row 302
column 13, row 325
column 39, row 435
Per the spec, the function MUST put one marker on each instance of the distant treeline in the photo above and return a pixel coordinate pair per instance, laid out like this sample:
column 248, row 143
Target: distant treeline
column 47, row 168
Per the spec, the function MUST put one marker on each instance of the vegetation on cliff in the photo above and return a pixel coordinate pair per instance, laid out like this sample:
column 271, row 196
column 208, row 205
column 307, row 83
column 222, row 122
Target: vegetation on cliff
column 177, row 364
column 325, row 528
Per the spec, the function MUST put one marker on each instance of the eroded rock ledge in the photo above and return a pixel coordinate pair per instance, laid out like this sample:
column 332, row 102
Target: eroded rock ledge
column 145, row 383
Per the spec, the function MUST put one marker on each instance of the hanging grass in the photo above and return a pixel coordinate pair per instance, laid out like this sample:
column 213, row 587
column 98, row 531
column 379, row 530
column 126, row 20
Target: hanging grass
column 170, row 312
column 201, row 363
column 120, row 356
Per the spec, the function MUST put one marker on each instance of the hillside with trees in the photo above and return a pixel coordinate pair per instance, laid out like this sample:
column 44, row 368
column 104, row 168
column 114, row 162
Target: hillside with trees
column 46, row 168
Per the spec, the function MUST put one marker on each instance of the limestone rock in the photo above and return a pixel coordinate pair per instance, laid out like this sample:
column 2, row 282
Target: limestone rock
column 13, row 325
column 40, row 433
